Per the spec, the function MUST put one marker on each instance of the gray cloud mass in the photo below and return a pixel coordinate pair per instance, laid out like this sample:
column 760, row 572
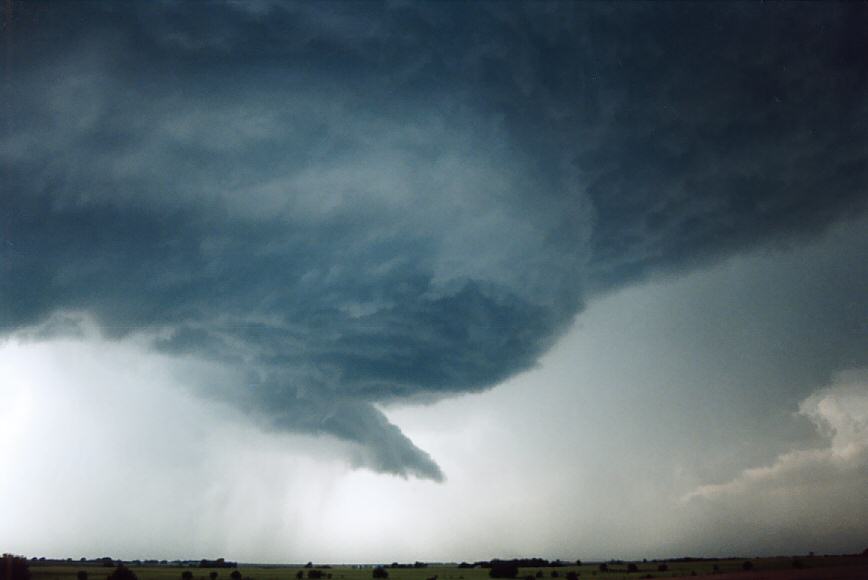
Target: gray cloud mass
column 352, row 204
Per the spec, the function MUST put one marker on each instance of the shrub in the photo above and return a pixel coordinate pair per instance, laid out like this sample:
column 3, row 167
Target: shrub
column 380, row 572
column 572, row 575
column 81, row 575
column 604, row 567
column 555, row 574
column 299, row 575
column 122, row 573
column 632, row 567
column 663, row 568
column 503, row 570
column 212, row 575
column 314, row 574
column 236, row 575
column 186, row 575
column 747, row 565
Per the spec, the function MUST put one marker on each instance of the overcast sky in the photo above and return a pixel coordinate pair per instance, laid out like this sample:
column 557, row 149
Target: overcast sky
column 374, row 282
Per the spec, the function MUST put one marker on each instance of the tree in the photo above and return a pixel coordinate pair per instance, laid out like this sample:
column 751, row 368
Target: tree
column 379, row 572
column 503, row 569
column 14, row 568
column 122, row 573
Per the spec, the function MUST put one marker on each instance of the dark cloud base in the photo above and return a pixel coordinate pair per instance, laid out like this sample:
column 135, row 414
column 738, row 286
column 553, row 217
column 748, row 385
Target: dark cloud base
column 356, row 204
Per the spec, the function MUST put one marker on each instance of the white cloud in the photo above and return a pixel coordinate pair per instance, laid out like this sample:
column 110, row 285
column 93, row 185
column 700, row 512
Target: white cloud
column 840, row 413
column 807, row 499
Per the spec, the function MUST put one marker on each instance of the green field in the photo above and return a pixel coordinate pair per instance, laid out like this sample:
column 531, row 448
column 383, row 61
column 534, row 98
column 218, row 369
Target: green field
column 617, row 571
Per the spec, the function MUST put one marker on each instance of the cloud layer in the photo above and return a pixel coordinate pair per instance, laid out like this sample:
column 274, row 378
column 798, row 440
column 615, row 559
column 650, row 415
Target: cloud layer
column 351, row 205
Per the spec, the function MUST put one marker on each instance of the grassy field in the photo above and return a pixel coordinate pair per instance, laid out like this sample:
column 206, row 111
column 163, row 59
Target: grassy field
column 69, row 570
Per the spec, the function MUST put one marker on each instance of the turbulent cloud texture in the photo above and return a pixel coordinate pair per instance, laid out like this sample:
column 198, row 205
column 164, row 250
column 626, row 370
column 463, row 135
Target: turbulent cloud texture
column 355, row 204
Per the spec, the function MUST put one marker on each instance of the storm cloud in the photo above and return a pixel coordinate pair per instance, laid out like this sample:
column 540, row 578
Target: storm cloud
column 350, row 205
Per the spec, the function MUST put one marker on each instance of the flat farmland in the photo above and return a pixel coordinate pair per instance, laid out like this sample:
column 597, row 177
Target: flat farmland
column 801, row 568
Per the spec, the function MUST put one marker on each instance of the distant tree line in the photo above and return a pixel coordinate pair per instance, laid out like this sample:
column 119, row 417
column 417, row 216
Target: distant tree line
column 509, row 568
column 218, row 563
column 413, row 565
column 521, row 563
column 110, row 562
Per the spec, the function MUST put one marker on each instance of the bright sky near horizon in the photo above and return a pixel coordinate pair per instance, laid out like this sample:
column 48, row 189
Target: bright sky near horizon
column 395, row 282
